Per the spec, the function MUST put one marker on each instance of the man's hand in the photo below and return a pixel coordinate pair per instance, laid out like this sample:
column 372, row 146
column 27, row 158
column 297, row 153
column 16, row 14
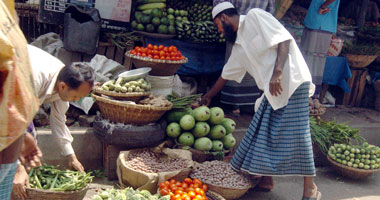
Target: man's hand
column 74, row 163
column 206, row 99
column 275, row 85
column 30, row 153
column 323, row 11
column 19, row 182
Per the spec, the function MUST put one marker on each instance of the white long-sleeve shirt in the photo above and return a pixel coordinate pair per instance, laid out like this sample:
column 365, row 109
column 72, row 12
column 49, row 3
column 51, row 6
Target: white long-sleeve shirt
column 45, row 69
column 255, row 52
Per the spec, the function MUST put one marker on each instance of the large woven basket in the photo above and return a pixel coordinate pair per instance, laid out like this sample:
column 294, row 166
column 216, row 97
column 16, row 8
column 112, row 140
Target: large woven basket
column 124, row 112
column 214, row 196
column 351, row 172
column 359, row 61
column 159, row 67
column 38, row 194
column 228, row 193
column 132, row 96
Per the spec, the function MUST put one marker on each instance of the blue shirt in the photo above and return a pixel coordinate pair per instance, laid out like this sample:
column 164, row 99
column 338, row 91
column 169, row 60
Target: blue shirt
column 325, row 22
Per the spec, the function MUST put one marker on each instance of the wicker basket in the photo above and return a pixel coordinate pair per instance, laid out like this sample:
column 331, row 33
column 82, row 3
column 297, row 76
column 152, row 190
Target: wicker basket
column 228, row 193
column 159, row 67
column 123, row 112
column 131, row 96
column 37, row 194
column 214, row 196
column 351, row 172
column 360, row 61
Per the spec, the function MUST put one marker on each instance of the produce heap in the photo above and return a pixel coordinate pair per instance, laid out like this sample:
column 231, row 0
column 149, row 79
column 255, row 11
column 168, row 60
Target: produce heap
column 158, row 52
column 189, row 189
column 122, row 85
column 128, row 194
column 210, row 173
column 150, row 162
column 49, row 177
column 203, row 128
column 190, row 20
column 365, row 156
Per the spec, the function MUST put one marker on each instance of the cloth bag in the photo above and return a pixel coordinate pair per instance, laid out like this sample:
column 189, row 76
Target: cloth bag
column 81, row 30
column 149, row 181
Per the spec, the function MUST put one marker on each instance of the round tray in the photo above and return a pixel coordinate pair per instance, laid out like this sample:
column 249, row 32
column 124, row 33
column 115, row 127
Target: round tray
column 135, row 74
column 351, row 172
column 156, row 35
column 124, row 112
column 131, row 96
column 359, row 61
column 38, row 194
column 159, row 67
column 129, row 136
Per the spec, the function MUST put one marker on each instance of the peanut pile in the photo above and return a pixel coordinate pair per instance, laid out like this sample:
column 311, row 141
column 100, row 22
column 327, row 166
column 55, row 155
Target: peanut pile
column 150, row 162
column 221, row 174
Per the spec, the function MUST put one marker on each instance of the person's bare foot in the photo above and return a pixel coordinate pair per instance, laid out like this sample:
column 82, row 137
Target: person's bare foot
column 266, row 184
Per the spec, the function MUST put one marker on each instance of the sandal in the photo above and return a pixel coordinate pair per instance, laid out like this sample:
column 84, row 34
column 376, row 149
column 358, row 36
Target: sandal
column 318, row 197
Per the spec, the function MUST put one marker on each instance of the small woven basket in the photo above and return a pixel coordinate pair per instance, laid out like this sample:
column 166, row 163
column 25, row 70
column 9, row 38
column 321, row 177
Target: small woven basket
column 359, row 61
column 159, row 67
column 38, row 194
column 131, row 96
column 124, row 112
column 214, row 196
column 351, row 172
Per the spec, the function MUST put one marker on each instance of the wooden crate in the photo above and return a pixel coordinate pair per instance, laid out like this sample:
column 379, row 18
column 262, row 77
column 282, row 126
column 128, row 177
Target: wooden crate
column 356, row 85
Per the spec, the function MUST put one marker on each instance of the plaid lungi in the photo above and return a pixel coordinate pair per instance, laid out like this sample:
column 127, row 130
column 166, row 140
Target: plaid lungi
column 7, row 173
column 278, row 142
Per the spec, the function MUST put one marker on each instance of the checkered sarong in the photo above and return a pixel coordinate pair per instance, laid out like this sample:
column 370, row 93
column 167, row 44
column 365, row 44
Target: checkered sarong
column 7, row 173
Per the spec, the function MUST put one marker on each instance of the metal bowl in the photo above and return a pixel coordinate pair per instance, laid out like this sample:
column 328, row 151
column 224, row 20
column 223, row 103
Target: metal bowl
column 135, row 73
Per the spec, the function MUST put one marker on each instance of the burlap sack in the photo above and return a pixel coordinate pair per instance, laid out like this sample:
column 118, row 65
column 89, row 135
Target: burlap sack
column 149, row 181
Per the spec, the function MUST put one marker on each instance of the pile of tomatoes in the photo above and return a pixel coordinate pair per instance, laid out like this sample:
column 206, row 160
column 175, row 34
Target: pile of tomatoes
column 189, row 189
column 158, row 52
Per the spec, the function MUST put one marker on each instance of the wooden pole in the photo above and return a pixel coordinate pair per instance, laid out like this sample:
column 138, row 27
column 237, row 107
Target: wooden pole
column 362, row 14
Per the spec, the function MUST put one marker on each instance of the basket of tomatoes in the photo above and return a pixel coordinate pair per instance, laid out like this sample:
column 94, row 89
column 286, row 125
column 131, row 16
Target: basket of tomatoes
column 189, row 189
column 164, row 60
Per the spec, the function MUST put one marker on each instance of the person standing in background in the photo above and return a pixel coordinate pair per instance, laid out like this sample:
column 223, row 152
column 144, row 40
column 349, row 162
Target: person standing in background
column 18, row 101
column 245, row 93
column 320, row 24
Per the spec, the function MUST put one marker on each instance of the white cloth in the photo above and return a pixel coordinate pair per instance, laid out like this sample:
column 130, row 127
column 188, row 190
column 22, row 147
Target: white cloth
column 255, row 52
column 45, row 71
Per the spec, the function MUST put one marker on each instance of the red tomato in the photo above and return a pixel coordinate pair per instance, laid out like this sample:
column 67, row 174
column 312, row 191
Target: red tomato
column 189, row 189
column 167, row 54
column 156, row 57
column 156, row 52
column 155, row 47
column 184, row 185
column 164, row 192
column 191, row 194
column 167, row 183
column 143, row 54
column 188, row 181
column 178, row 53
column 149, row 46
column 133, row 52
column 196, row 185
column 198, row 197
column 172, row 185
column 162, row 185
column 150, row 56
column 143, row 50
column 161, row 47
column 186, row 197
column 139, row 54
column 173, row 58
column 166, row 49
column 205, row 187
column 162, row 53
column 167, row 58
column 149, row 52
column 162, row 58
column 178, row 192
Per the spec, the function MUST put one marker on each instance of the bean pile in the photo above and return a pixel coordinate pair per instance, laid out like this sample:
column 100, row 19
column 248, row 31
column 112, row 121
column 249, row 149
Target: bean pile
column 150, row 162
column 220, row 173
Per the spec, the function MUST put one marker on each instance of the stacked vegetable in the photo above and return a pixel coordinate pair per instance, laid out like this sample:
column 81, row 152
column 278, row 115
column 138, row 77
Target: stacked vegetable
column 158, row 52
column 203, row 128
column 365, row 156
column 151, row 17
column 194, row 22
column 51, row 178
column 123, row 86
column 128, row 194
column 189, row 189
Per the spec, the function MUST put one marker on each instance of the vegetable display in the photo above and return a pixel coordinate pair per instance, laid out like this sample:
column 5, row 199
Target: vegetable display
column 365, row 156
column 221, row 174
column 203, row 128
column 158, row 101
column 49, row 177
column 123, row 86
column 160, row 52
column 151, row 162
column 183, row 102
column 342, row 133
column 320, row 135
column 128, row 194
column 189, row 189
column 316, row 108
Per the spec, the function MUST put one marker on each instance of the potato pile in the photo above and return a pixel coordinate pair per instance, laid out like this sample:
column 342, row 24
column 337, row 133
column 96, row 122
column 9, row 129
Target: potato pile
column 157, row 101
column 123, row 86
column 316, row 108
column 150, row 162
column 221, row 174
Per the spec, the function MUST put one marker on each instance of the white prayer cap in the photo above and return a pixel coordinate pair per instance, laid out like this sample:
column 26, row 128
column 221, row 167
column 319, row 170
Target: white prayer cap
column 221, row 7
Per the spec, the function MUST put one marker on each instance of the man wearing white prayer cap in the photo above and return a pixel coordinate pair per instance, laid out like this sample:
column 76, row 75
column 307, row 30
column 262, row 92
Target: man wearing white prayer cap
column 278, row 140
